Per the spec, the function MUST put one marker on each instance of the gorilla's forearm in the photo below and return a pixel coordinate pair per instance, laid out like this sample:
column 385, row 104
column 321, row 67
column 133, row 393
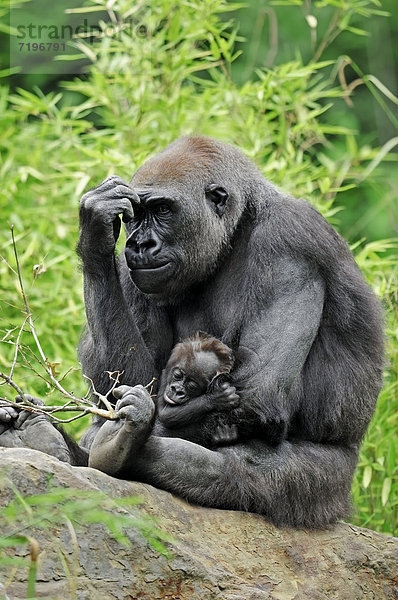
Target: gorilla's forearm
column 108, row 316
column 297, row 483
column 274, row 348
column 117, row 442
column 183, row 414
column 112, row 340
column 78, row 455
column 111, row 448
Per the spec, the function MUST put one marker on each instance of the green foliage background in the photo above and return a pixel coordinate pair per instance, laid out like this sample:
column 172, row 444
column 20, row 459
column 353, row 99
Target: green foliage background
column 174, row 74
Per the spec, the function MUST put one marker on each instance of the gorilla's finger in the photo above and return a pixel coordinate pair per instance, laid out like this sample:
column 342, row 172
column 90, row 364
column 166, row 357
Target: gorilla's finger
column 124, row 191
column 33, row 399
column 23, row 415
column 128, row 389
column 108, row 184
column 7, row 413
column 142, row 412
column 121, row 390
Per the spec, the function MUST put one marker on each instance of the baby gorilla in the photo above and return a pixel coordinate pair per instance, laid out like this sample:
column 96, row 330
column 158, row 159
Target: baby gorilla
column 193, row 391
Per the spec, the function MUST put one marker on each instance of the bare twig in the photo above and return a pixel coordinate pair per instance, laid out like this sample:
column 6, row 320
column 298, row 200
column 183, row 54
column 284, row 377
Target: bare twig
column 100, row 397
column 31, row 324
column 116, row 381
column 332, row 32
column 12, row 383
column 150, row 385
column 14, row 362
column 71, row 406
column 83, row 405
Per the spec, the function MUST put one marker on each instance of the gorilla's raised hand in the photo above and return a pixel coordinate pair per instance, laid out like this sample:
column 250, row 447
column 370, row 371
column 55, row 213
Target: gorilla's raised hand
column 99, row 216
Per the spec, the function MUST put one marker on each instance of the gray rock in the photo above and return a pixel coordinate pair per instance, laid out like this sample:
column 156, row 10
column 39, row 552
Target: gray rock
column 216, row 555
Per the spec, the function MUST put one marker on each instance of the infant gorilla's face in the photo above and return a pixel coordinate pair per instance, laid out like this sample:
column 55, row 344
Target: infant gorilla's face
column 190, row 377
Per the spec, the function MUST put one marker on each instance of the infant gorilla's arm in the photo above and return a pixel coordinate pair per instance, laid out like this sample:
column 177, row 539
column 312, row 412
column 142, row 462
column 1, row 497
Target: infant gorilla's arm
column 222, row 397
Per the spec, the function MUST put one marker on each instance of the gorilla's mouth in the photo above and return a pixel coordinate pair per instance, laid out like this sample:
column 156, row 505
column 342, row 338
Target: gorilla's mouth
column 168, row 400
column 151, row 278
column 172, row 402
column 148, row 267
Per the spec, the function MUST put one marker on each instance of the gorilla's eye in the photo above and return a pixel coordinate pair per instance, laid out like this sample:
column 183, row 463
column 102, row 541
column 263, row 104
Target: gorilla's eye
column 193, row 387
column 178, row 374
column 161, row 209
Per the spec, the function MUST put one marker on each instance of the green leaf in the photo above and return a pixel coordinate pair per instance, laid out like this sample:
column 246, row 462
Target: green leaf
column 16, row 540
column 356, row 30
column 385, row 490
column 367, row 476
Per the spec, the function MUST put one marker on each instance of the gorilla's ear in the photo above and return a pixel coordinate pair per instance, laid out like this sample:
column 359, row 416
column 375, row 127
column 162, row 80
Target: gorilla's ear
column 217, row 196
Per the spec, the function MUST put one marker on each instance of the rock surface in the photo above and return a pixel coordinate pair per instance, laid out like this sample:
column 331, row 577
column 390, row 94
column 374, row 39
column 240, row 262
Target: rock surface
column 216, row 555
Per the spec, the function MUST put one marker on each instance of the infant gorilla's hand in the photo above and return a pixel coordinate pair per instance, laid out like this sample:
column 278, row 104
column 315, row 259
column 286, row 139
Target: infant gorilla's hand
column 224, row 395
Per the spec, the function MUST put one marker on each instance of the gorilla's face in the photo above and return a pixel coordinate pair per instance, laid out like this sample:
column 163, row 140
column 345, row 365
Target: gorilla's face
column 190, row 377
column 193, row 366
column 175, row 240
column 151, row 252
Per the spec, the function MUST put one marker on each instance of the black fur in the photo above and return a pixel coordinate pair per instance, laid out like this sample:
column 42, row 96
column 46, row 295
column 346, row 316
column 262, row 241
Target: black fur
column 267, row 275
column 273, row 280
column 207, row 413
column 78, row 455
column 212, row 416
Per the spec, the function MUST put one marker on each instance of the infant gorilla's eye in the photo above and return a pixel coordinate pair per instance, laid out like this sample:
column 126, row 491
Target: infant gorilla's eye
column 193, row 387
column 177, row 374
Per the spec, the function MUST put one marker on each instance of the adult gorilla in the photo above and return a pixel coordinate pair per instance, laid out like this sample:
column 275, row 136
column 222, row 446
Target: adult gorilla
column 213, row 246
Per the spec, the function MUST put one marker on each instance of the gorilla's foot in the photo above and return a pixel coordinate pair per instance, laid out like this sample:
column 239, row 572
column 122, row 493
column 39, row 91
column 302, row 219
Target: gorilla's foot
column 117, row 442
column 23, row 429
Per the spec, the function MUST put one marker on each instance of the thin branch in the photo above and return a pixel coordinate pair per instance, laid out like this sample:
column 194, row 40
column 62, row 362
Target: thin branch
column 73, row 405
column 17, row 346
column 150, row 384
column 7, row 333
column 32, row 327
column 5, row 261
column 83, row 405
column 332, row 32
column 67, row 373
column 31, row 367
column 12, row 383
column 116, row 381
column 100, row 397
